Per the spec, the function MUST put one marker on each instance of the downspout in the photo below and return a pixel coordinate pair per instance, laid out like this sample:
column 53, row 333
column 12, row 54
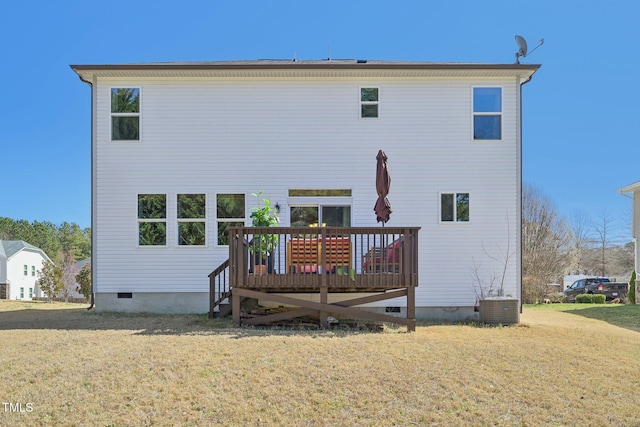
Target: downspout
column 93, row 266
column 520, row 195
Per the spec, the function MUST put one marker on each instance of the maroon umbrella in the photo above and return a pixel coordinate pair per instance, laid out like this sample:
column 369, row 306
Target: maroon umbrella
column 383, row 183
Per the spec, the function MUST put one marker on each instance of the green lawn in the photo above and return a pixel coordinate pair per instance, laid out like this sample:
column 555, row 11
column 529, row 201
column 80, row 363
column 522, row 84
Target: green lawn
column 625, row 316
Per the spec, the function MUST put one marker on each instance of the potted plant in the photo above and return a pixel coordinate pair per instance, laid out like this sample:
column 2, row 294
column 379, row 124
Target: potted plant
column 263, row 245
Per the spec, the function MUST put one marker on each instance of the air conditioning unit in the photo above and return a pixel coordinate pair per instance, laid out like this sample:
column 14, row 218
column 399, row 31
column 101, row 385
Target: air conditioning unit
column 500, row 311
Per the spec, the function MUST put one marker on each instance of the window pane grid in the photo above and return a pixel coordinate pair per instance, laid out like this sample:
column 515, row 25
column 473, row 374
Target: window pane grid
column 152, row 217
column 191, row 213
column 454, row 207
column 230, row 212
column 487, row 113
column 125, row 114
column 369, row 102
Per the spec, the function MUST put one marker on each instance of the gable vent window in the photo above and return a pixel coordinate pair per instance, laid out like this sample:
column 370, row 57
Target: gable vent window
column 125, row 114
column 369, row 102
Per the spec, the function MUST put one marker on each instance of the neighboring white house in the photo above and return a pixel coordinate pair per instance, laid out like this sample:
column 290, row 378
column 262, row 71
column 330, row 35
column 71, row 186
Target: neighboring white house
column 633, row 192
column 209, row 134
column 20, row 263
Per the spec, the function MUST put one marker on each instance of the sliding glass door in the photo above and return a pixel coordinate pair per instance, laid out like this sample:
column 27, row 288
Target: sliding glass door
column 320, row 215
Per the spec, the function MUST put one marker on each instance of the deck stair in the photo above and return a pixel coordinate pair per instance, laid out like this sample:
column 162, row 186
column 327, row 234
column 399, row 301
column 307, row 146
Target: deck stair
column 220, row 293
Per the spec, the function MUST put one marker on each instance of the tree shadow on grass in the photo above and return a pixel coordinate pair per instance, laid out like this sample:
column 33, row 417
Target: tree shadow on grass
column 79, row 319
column 624, row 316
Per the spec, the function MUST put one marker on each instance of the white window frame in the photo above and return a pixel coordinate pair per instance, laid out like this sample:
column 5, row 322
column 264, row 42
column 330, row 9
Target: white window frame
column 33, row 270
column 219, row 220
column 361, row 103
column 138, row 115
column 26, row 270
column 141, row 220
column 192, row 220
column 487, row 113
column 455, row 207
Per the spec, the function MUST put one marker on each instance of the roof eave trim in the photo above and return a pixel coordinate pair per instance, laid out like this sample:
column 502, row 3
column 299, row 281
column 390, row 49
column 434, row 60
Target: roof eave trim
column 294, row 65
column 630, row 188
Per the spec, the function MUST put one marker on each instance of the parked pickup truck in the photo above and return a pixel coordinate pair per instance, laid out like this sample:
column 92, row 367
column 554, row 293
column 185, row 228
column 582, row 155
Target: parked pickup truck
column 597, row 285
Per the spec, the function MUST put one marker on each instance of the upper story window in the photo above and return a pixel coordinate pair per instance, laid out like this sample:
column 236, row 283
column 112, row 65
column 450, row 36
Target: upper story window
column 33, row 270
column 369, row 102
column 454, row 207
column 125, row 114
column 487, row 113
column 26, row 270
column 230, row 212
column 191, row 219
column 152, row 219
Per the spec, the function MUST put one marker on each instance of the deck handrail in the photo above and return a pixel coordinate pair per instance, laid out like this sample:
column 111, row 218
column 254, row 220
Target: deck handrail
column 219, row 286
column 373, row 258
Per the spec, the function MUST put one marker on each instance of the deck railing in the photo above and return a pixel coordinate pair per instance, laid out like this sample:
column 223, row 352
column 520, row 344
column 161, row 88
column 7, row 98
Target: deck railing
column 219, row 287
column 338, row 258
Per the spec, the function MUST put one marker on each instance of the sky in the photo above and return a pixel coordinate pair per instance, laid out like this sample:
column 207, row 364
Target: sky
column 580, row 111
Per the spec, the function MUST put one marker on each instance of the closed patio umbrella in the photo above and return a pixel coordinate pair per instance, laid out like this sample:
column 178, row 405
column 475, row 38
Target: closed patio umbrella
column 382, row 207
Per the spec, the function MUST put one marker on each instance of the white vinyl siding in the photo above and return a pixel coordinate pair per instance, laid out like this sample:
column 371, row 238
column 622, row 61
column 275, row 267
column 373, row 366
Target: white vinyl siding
column 636, row 214
column 215, row 136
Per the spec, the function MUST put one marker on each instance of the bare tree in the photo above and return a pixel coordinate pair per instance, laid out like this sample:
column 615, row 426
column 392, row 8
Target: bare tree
column 546, row 243
column 580, row 227
column 491, row 282
column 69, row 273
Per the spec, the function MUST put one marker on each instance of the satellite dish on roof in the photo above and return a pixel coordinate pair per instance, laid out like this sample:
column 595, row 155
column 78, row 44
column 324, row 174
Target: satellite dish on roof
column 522, row 48
column 522, row 44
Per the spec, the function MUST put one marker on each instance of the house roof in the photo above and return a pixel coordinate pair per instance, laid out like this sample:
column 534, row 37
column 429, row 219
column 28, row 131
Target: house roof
column 9, row 248
column 630, row 188
column 304, row 68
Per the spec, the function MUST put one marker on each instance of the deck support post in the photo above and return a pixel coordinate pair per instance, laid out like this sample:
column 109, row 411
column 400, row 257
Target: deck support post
column 235, row 308
column 411, row 308
column 324, row 298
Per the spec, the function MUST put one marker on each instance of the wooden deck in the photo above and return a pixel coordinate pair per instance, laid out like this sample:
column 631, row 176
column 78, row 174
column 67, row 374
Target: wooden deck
column 381, row 262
